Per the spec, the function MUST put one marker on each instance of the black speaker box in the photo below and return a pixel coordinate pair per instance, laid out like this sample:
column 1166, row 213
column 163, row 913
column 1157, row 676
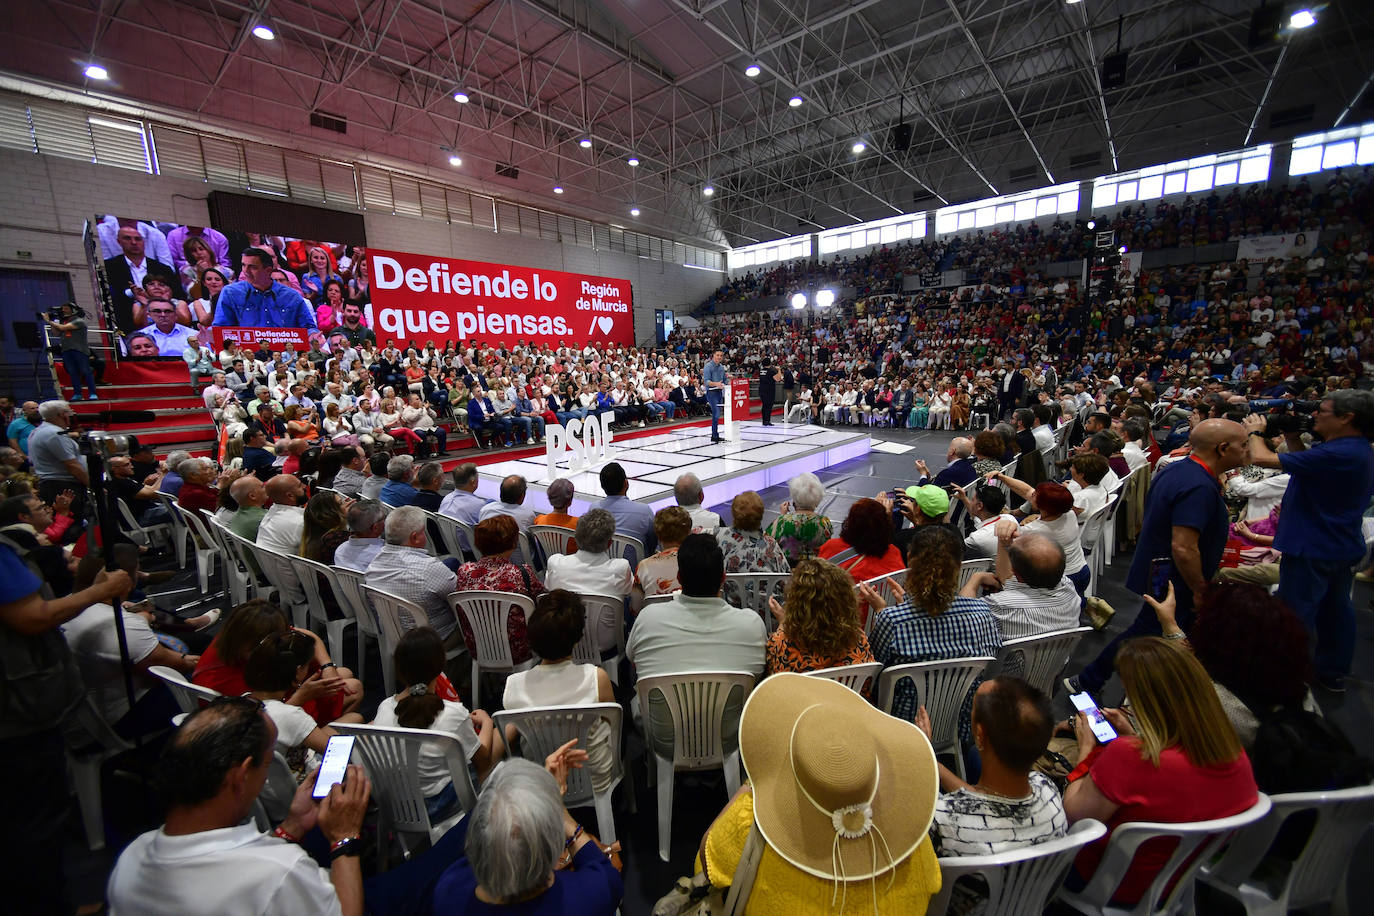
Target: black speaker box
column 1114, row 70
column 901, row 137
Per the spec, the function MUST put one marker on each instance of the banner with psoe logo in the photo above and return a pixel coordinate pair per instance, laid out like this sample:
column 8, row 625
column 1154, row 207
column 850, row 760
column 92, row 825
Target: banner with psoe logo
column 423, row 297
column 252, row 338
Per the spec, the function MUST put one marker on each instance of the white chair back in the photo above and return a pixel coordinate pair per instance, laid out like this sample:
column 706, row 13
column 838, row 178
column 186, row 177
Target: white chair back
column 753, row 589
column 350, row 594
column 466, row 530
column 1039, row 659
column 394, row 615
column 1317, row 875
column 449, row 534
column 488, row 614
column 202, row 542
column 85, row 762
column 941, row 687
column 1020, row 881
column 140, row 534
column 1171, row 891
column 609, row 608
column 625, row 547
column 970, row 568
column 290, row 593
column 238, row 576
column 696, row 704
column 883, row 586
column 392, row 759
column 180, row 531
column 858, row 678
column 552, row 540
column 189, row 696
column 309, row 575
column 544, row 729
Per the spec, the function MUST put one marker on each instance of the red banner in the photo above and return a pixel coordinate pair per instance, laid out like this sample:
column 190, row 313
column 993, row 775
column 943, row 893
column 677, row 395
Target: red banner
column 252, row 338
column 422, row 297
column 739, row 396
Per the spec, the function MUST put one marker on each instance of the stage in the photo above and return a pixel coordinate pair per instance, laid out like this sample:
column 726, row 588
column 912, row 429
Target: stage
column 764, row 456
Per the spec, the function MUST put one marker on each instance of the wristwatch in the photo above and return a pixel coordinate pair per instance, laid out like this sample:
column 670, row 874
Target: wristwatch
column 349, row 846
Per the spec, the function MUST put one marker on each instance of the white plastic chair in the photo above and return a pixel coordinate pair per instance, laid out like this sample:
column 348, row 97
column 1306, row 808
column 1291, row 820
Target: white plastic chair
column 391, row 757
column 588, row 648
column 237, row 576
column 145, row 535
column 450, row 534
column 1197, row 842
column 883, row 586
column 308, row 573
column 696, row 703
column 259, row 585
column 86, row 762
column 189, row 696
column 552, row 539
column 857, row 678
column 970, row 568
column 625, row 547
column 395, row 615
column 350, row 592
column 202, row 542
column 1038, row 659
column 277, row 568
column 941, row 687
column 1020, row 881
column 1318, row 875
column 753, row 589
column 488, row 614
column 468, row 538
column 1092, row 535
column 544, row 729
column 180, row 530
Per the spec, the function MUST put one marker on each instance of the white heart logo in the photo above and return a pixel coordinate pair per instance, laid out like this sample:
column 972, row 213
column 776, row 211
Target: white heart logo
column 605, row 323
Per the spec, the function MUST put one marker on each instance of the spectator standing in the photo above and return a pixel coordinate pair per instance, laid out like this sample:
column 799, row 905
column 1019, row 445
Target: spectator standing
column 76, row 348
column 1319, row 534
column 56, row 457
column 23, row 425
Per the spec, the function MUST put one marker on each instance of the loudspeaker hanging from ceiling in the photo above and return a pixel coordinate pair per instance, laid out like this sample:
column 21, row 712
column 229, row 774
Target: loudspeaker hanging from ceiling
column 901, row 131
column 1114, row 64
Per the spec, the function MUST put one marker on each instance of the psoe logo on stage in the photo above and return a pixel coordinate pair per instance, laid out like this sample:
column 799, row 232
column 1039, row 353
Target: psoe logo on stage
column 588, row 441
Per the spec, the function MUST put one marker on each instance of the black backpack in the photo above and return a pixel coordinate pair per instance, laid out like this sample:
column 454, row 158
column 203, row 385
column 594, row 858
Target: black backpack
column 1299, row 751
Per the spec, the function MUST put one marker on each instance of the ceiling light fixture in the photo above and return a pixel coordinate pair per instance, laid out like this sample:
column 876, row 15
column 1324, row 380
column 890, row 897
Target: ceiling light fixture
column 1302, row 19
column 858, row 147
column 461, row 97
column 558, row 189
column 633, row 161
column 752, row 70
column 455, row 161
column 585, row 143
column 634, row 211
column 96, row 72
column 707, row 191
column 795, row 101
column 264, row 32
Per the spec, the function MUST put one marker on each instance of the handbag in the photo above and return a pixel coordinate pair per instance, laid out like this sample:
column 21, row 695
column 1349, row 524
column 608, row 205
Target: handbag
column 696, row 896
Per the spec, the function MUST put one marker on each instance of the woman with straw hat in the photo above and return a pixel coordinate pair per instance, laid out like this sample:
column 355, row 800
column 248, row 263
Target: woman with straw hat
column 842, row 796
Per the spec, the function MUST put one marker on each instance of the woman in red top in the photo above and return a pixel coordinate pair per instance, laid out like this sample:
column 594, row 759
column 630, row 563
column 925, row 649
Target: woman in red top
column 496, row 539
column 866, row 529
column 329, row 691
column 1182, row 763
column 196, row 492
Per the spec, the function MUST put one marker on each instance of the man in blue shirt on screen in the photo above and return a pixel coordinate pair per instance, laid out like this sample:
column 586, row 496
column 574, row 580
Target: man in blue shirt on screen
column 713, row 376
column 261, row 302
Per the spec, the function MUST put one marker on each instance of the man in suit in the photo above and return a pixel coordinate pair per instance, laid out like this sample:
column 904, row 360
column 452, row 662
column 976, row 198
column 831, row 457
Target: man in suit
column 128, row 272
column 769, row 377
column 482, row 416
column 1009, row 391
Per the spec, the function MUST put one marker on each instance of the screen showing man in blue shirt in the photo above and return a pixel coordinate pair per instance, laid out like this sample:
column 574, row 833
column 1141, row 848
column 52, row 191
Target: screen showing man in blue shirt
column 261, row 302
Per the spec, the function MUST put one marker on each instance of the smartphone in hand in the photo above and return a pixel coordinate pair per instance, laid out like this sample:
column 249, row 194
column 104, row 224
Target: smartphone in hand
column 335, row 764
column 1161, row 569
column 1102, row 729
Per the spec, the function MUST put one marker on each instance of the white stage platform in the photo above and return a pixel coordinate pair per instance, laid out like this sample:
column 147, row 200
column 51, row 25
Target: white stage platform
column 763, row 456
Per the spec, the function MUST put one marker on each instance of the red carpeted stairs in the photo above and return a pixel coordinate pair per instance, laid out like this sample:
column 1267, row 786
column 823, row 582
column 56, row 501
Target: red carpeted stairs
column 171, row 414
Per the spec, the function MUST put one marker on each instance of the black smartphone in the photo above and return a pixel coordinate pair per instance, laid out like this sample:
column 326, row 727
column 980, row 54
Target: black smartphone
column 1161, row 568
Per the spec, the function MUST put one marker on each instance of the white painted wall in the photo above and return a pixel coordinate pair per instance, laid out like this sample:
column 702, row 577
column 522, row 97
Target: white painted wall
column 44, row 201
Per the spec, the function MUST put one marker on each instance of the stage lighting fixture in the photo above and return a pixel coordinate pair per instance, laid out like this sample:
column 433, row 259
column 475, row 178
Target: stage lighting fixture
column 707, row 191
column 858, row 147
column 585, row 143
column 264, row 32
column 633, row 161
column 634, row 211
column 1092, row 224
column 799, row 300
column 1302, row 19
column 461, row 97
column 825, row 298
column 795, row 101
column 1123, row 249
column 455, row 161
column 96, row 72
column 558, row 189
column 752, row 70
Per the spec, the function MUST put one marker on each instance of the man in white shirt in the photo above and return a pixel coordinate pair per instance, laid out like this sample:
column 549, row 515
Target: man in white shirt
column 592, row 570
column 366, row 519
column 1086, row 474
column 209, row 856
column 1136, row 431
column 403, row 568
column 987, row 507
column 689, row 495
column 171, row 338
column 1036, row 596
column 696, row 631
column 281, row 527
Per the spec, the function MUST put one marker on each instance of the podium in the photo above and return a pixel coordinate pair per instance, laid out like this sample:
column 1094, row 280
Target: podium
column 736, row 405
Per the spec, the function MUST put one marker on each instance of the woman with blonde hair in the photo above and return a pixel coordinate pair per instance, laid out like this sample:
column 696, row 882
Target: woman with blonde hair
column 1180, row 760
column 747, row 549
column 818, row 621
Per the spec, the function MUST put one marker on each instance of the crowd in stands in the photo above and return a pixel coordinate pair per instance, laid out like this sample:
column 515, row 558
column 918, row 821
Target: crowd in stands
column 1223, row 363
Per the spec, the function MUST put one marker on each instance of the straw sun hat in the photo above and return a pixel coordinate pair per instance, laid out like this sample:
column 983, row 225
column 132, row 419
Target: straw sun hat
column 842, row 790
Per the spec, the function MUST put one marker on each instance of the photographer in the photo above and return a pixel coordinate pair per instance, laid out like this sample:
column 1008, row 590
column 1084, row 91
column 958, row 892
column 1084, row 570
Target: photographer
column 1319, row 535
column 76, row 348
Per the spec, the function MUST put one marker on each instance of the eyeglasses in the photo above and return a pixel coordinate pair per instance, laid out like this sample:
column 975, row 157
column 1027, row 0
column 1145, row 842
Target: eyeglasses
column 161, row 312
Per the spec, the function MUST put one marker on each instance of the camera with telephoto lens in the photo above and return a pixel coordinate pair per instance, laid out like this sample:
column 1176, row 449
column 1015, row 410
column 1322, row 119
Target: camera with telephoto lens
column 1295, row 417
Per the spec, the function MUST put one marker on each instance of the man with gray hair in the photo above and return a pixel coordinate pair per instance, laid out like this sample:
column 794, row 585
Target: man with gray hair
column 463, row 503
column 56, row 458
column 513, row 490
column 1036, row 596
column 403, row 568
column 428, row 479
column 172, row 479
column 592, row 570
column 958, row 471
column 397, row 491
column 1320, row 534
column 366, row 519
column 349, row 479
column 688, row 492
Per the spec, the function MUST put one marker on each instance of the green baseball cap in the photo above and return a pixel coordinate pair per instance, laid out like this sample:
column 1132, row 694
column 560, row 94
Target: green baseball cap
column 930, row 499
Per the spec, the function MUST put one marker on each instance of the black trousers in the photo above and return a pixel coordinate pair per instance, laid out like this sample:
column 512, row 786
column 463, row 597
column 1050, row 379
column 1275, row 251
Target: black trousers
column 769, row 399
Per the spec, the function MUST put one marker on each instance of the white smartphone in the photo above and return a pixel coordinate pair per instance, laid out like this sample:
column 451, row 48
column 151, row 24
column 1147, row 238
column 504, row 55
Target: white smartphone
column 1083, row 702
column 335, row 764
